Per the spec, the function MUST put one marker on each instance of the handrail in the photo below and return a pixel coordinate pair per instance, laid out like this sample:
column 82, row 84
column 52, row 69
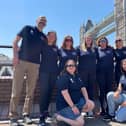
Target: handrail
column 5, row 46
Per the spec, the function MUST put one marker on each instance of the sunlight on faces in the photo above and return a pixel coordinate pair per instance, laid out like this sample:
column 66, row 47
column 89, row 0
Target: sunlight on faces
column 71, row 66
column 41, row 22
column 51, row 37
column 88, row 41
column 119, row 43
column 68, row 42
column 103, row 43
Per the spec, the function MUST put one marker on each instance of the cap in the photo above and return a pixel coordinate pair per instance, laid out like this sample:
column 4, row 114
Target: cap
column 101, row 39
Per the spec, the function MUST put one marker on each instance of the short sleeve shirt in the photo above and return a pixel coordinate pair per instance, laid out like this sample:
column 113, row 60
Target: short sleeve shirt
column 73, row 84
column 33, row 41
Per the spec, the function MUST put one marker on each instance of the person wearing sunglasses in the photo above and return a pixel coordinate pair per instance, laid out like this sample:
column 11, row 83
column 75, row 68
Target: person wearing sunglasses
column 72, row 97
column 47, row 75
column 105, row 70
column 120, row 53
column 26, row 61
column 66, row 52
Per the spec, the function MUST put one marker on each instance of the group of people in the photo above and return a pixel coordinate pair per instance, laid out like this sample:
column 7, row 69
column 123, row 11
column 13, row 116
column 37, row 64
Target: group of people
column 75, row 72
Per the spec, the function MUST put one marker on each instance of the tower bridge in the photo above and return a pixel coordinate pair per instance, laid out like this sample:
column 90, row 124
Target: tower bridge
column 114, row 22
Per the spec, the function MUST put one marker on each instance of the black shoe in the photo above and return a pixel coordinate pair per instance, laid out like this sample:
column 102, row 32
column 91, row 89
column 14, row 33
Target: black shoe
column 27, row 119
column 103, row 113
column 42, row 123
column 108, row 118
column 13, row 122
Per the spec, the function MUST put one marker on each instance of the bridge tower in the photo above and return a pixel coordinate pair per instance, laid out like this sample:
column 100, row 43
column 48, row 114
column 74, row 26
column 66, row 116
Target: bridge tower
column 82, row 31
column 120, row 19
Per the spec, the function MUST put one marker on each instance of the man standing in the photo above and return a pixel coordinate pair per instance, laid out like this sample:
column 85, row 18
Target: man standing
column 26, row 62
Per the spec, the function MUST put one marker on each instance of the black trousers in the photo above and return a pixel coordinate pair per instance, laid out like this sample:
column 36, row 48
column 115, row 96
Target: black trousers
column 47, row 83
column 117, row 75
column 89, row 79
column 105, row 81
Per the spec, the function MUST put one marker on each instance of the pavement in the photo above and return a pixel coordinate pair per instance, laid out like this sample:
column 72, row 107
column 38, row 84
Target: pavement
column 88, row 122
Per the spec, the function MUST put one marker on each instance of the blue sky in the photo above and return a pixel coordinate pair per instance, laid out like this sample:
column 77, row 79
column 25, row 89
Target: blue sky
column 64, row 16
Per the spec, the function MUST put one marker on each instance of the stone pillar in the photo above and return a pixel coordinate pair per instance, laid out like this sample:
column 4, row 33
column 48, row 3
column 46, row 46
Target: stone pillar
column 120, row 19
column 82, row 31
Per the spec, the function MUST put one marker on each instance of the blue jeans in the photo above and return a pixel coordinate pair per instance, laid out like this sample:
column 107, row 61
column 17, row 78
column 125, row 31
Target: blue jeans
column 68, row 113
column 114, row 106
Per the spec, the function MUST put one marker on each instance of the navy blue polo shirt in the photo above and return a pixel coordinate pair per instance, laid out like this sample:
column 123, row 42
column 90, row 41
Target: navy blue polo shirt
column 87, row 59
column 105, row 58
column 49, row 59
column 64, row 55
column 120, row 54
column 123, row 83
column 33, row 41
column 73, row 84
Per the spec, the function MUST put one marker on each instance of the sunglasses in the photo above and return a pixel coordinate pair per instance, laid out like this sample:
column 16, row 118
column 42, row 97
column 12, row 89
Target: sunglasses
column 103, row 40
column 68, row 40
column 71, row 65
column 119, row 40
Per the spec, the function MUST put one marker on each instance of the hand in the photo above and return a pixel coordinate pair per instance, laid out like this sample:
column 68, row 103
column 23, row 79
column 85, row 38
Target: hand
column 75, row 110
column 15, row 61
column 123, row 104
column 116, row 94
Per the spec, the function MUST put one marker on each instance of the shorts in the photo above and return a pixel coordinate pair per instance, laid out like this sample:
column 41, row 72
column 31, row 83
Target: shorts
column 68, row 113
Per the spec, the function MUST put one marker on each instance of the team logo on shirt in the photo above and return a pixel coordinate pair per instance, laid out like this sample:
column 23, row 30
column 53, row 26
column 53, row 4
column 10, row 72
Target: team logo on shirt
column 108, row 51
column 71, row 80
column 74, row 53
column 31, row 32
column 55, row 49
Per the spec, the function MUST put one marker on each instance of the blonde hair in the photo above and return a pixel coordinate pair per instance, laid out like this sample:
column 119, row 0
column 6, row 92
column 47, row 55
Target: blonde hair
column 83, row 46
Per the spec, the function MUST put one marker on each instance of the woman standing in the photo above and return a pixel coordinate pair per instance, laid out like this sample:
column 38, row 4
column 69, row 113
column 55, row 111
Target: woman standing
column 72, row 97
column 87, row 64
column 48, row 74
column 66, row 52
column 120, row 53
column 105, row 66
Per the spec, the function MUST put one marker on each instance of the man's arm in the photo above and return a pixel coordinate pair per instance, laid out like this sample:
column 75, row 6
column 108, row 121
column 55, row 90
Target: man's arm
column 15, row 50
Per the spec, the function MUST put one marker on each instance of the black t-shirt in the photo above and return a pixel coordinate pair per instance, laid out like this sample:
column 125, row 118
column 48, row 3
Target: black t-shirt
column 87, row 59
column 119, row 55
column 49, row 59
column 64, row 55
column 33, row 41
column 105, row 58
column 73, row 84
